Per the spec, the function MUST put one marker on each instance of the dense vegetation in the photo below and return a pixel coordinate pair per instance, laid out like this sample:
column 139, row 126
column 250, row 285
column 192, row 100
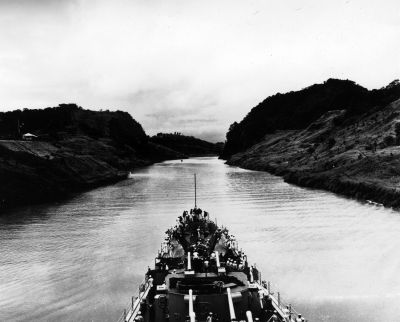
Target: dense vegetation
column 296, row 110
column 66, row 120
column 188, row 145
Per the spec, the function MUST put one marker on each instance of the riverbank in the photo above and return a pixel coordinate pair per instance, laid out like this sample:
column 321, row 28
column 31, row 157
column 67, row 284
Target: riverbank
column 33, row 172
column 70, row 149
column 358, row 159
column 50, row 153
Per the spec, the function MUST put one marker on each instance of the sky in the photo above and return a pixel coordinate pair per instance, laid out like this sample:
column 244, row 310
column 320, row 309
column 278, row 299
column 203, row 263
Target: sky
column 189, row 66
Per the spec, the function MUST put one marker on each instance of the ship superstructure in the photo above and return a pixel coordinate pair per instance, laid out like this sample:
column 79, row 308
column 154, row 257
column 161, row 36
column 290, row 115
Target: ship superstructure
column 200, row 274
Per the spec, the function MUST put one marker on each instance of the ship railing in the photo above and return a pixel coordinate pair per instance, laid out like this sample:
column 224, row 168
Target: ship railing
column 130, row 312
column 279, row 305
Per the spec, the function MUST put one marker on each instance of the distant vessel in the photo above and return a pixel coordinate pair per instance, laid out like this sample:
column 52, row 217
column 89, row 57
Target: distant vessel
column 200, row 274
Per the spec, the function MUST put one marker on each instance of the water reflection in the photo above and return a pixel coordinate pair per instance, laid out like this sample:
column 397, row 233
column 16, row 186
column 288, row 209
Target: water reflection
column 82, row 259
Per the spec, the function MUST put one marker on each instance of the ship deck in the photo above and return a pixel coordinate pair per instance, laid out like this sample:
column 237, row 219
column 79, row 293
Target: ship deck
column 201, row 275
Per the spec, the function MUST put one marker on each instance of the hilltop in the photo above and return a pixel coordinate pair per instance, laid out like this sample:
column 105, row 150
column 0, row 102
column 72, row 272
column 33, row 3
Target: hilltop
column 75, row 149
column 353, row 150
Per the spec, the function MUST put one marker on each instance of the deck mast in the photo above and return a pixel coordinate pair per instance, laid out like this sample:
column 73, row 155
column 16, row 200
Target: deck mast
column 195, row 192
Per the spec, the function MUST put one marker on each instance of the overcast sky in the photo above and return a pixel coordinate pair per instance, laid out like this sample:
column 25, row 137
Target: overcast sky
column 189, row 66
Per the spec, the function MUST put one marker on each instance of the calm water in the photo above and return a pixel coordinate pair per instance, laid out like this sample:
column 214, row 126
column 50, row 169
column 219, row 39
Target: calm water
column 335, row 259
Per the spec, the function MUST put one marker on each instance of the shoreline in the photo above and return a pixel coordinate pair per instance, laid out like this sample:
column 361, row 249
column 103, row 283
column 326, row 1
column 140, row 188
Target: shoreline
column 341, row 185
column 101, row 180
column 358, row 159
column 37, row 172
column 60, row 197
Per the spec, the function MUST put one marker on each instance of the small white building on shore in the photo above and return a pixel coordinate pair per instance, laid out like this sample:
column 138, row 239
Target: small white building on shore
column 29, row 137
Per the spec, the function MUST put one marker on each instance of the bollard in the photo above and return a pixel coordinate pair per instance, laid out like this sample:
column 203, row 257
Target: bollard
column 279, row 300
column 132, row 302
column 124, row 314
column 269, row 287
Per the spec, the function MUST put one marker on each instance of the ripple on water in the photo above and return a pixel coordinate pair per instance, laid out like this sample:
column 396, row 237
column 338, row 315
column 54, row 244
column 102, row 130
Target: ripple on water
column 336, row 259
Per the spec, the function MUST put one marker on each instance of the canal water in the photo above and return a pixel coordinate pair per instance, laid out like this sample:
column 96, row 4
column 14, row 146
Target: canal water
column 333, row 258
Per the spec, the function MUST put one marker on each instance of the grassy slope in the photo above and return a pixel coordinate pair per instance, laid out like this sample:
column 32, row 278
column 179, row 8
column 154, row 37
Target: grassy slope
column 296, row 110
column 359, row 159
column 79, row 149
column 36, row 171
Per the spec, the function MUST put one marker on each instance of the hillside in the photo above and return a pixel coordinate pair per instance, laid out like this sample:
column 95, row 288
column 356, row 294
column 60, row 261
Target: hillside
column 76, row 149
column 187, row 145
column 296, row 110
column 357, row 157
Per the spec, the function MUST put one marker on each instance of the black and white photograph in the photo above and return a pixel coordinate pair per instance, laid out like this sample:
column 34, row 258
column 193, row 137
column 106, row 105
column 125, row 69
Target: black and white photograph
column 199, row 160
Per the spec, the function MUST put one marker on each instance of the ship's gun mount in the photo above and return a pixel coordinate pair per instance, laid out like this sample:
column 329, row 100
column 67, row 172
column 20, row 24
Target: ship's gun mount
column 207, row 285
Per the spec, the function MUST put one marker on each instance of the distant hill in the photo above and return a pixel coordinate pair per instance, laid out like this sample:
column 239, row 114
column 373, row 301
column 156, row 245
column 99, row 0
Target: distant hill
column 187, row 145
column 296, row 110
column 75, row 149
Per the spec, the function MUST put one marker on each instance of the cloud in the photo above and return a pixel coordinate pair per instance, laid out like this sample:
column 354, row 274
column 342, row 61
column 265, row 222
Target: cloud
column 169, row 63
column 176, row 108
